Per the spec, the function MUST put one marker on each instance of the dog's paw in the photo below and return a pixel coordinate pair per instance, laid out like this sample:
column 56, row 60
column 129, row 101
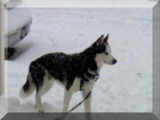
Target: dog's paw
column 41, row 111
column 35, row 107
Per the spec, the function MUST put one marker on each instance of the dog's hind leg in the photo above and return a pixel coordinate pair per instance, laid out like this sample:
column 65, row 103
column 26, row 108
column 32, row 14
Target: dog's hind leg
column 48, row 83
column 39, row 94
column 67, row 98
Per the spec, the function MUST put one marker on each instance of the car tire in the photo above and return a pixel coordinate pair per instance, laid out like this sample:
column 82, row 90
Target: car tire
column 9, row 52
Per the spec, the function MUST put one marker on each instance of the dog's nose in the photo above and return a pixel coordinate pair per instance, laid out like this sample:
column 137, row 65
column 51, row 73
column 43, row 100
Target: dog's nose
column 114, row 61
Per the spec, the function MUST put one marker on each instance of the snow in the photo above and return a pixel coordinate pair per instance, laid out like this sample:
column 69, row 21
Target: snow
column 84, row 3
column 124, row 87
column 3, row 106
column 89, row 3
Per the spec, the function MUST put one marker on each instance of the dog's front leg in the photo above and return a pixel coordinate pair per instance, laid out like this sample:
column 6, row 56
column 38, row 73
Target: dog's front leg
column 87, row 104
column 67, row 98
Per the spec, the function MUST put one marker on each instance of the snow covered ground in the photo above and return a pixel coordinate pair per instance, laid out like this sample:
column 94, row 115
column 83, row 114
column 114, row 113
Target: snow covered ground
column 124, row 87
column 89, row 3
column 3, row 106
column 83, row 3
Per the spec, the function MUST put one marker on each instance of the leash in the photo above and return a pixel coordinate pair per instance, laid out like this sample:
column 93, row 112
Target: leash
column 63, row 116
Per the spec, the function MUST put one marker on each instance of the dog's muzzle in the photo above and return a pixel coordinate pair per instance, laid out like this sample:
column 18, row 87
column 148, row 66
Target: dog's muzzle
column 114, row 61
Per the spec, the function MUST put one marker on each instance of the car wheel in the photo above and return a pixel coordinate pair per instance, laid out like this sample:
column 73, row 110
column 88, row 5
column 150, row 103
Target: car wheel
column 9, row 52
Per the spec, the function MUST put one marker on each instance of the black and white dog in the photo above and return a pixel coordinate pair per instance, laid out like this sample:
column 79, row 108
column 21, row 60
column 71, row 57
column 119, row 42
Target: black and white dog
column 75, row 71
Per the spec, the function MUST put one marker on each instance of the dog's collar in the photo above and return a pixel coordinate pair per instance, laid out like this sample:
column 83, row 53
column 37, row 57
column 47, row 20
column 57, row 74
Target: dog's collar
column 88, row 76
column 91, row 76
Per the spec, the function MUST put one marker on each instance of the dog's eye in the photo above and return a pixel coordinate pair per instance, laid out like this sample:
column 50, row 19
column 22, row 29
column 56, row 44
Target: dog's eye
column 106, row 53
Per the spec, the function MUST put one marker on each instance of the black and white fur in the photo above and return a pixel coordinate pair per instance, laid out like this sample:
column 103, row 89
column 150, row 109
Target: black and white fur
column 70, row 70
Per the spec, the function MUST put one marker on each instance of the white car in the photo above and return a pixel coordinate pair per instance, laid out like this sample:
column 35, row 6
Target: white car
column 18, row 25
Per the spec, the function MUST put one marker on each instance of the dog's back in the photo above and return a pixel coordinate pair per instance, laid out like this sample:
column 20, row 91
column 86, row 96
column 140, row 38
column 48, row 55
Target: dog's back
column 62, row 67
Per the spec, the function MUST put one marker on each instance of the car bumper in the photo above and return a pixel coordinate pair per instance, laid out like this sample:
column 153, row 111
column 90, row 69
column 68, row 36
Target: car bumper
column 17, row 35
column 19, row 23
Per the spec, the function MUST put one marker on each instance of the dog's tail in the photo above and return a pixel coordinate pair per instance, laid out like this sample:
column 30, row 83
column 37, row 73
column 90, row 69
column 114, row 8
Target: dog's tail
column 27, row 88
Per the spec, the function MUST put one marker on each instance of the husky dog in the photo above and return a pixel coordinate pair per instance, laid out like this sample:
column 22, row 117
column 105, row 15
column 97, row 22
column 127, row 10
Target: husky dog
column 75, row 71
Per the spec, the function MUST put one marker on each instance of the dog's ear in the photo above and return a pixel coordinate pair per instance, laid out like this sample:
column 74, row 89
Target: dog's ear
column 106, row 38
column 100, row 40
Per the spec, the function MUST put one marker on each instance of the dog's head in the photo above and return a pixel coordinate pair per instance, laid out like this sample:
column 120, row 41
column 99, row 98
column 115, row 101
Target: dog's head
column 103, row 50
